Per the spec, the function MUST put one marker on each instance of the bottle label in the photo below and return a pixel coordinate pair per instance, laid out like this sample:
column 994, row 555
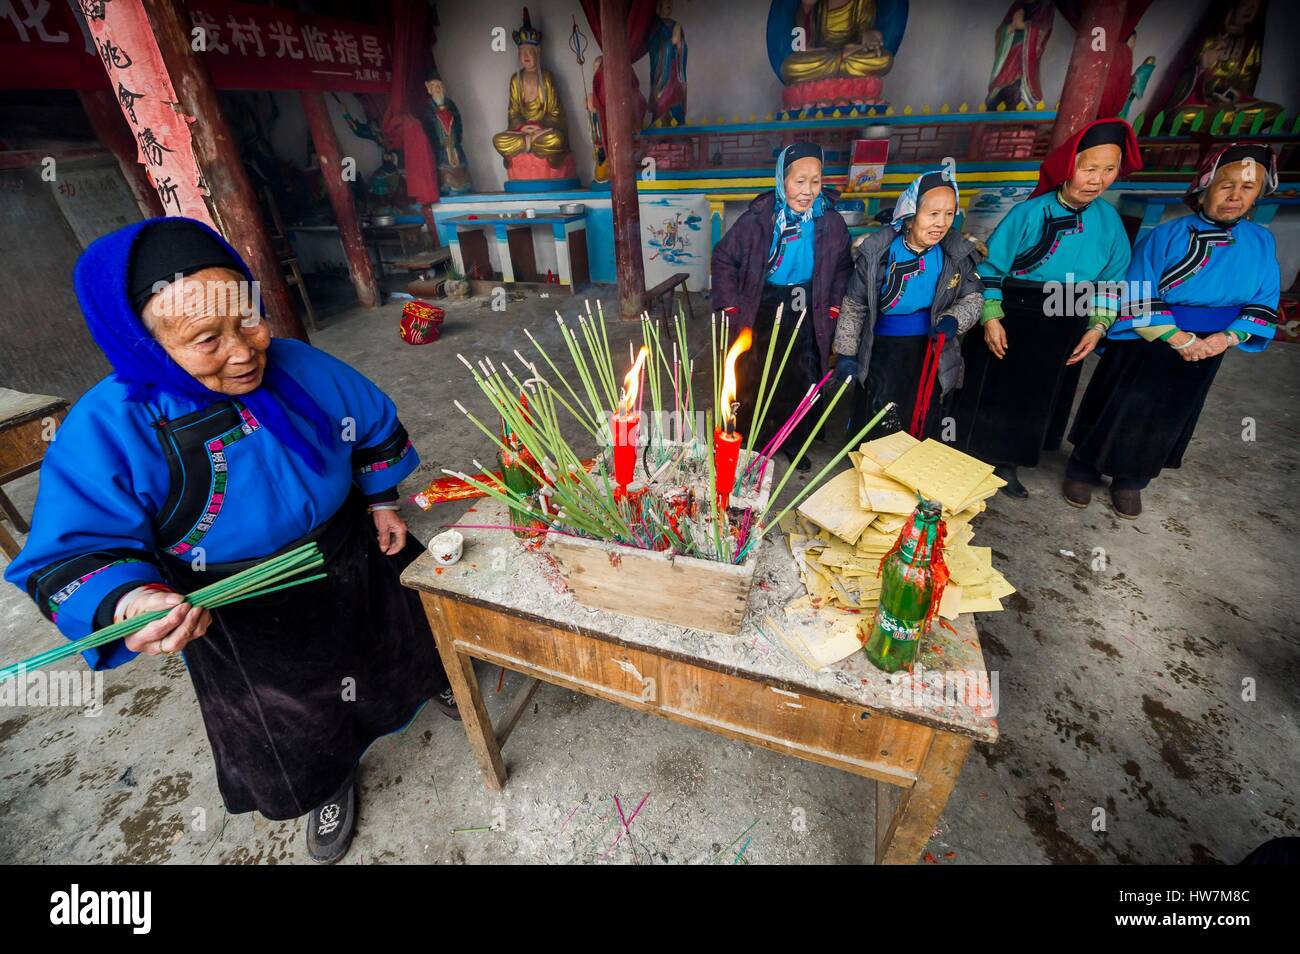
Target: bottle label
column 898, row 629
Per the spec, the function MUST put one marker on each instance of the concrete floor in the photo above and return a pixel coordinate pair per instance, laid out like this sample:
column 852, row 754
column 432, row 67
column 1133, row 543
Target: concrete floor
column 1127, row 735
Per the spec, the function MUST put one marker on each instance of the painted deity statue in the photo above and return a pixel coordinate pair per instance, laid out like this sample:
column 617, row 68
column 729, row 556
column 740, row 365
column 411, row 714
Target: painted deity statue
column 667, row 47
column 536, row 146
column 843, row 58
column 442, row 120
column 1018, row 54
column 1224, row 67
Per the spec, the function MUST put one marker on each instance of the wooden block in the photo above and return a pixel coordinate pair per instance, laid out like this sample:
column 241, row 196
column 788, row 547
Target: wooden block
column 669, row 588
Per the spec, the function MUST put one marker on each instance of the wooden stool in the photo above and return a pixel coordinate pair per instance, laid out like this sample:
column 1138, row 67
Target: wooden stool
column 664, row 295
column 25, row 420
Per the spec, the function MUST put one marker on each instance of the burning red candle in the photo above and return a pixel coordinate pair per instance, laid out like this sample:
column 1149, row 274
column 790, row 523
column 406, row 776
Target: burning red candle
column 625, row 435
column 726, row 439
column 625, row 424
column 726, row 451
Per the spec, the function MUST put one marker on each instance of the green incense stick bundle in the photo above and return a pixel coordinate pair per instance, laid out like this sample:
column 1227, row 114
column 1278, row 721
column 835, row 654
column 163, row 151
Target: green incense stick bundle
column 277, row 573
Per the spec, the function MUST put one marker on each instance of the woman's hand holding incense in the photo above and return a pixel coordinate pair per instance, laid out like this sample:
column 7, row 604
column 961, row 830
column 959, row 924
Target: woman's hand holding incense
column 172, row 633
column 995, row 336
column 392, row 531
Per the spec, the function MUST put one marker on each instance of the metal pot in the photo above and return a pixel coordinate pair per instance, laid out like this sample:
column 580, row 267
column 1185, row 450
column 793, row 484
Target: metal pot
column 572, row 208
column 383, row 221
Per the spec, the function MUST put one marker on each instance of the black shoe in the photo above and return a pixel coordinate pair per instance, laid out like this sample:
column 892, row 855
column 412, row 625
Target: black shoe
column 1014, row 487
column 804, row 464
column 1127, row 503
column 1076, row 493
column 330, row 826
column 446, row 702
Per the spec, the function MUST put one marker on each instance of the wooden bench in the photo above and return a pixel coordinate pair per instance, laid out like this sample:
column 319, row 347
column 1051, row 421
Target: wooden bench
column 664, row 296
column 27, row 423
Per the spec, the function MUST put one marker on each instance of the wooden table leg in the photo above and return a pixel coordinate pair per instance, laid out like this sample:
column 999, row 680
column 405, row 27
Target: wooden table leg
column 16, row 518
column 8, row 544
column 921, row 805
column 469, row 698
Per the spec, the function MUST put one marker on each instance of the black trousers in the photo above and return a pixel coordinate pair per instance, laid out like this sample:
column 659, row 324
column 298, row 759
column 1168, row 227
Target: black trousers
column 1138, row 412
column 1006, row 406
column 894, row 375
column 294, row 686
column 801, row 370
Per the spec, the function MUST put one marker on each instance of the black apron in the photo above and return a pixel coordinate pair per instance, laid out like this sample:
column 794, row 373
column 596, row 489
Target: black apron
column 295, row 686
column 1140, row 409
column 801, row 370
column 894, row 375
column 1005, row 407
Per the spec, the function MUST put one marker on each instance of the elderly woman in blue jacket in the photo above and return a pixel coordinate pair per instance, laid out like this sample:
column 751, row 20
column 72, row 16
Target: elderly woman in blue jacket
column 913, row 292
column 791, row 250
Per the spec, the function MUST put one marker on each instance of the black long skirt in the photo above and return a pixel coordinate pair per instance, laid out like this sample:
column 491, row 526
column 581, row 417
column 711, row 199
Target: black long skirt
column 894, row 375
column 1005, row 406
column 295, row 685
column 1140, row 409
column 801, row 370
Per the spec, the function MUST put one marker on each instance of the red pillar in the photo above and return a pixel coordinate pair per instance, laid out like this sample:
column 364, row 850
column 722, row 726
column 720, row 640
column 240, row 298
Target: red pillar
column 1085, row 79
column 619, row 99
column 113, row 132
column 165, row 91
column 341, row 197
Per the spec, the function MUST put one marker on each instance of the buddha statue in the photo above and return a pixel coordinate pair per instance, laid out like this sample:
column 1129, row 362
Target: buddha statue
column 844, row 55
column 1227, row 56
column 536, row 146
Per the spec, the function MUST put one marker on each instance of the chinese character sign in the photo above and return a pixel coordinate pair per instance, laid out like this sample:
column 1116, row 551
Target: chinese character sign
column 44, row 46
column 121, row 34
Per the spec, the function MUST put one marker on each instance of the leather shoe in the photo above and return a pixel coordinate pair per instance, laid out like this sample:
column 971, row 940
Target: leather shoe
column 1127, row 503
column 1077, row 493
column 1014, row 487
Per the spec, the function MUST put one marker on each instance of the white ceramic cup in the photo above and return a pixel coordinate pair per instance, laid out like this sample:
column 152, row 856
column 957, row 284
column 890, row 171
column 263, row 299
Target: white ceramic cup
column 447, row 547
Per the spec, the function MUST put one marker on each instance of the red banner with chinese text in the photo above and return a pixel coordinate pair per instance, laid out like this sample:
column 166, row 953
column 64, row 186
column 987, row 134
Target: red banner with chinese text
column 144, row 91
column 45, row 45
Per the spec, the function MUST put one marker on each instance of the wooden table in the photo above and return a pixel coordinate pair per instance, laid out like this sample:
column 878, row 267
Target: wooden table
column 512, row 233
column 27, row 423
column 506, row 605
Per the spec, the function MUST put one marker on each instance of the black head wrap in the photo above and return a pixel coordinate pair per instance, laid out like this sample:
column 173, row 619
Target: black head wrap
column 802, row 150
column 1103, row 134
column 1246, row 150
column 169, row 248
column 931, row 180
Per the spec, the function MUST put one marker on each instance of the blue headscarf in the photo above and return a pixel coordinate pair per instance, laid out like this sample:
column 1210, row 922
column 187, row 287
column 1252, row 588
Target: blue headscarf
column 790, row 258
column 910, row 200
column 142, row 364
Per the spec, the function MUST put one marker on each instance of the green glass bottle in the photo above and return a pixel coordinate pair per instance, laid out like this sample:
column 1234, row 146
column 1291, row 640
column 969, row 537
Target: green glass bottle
column 907, row 590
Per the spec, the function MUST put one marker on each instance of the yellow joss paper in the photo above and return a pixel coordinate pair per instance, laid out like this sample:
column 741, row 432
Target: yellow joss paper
column 883, row 451
column 818, row 636
column 939, row 472
column 986, row 489
column 835, row 507
column 982, row 604
column 999, row 586
column 891, row 523
column 965, row 566
column 950, row 605
column 882, row 495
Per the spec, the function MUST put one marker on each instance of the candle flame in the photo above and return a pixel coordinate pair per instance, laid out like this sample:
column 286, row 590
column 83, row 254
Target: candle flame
column 738, row 347
column 632, row 383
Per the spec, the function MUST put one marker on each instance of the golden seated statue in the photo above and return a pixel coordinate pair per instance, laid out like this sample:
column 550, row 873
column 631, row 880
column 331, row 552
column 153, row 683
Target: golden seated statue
column 843, row 44
column 537, row 124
